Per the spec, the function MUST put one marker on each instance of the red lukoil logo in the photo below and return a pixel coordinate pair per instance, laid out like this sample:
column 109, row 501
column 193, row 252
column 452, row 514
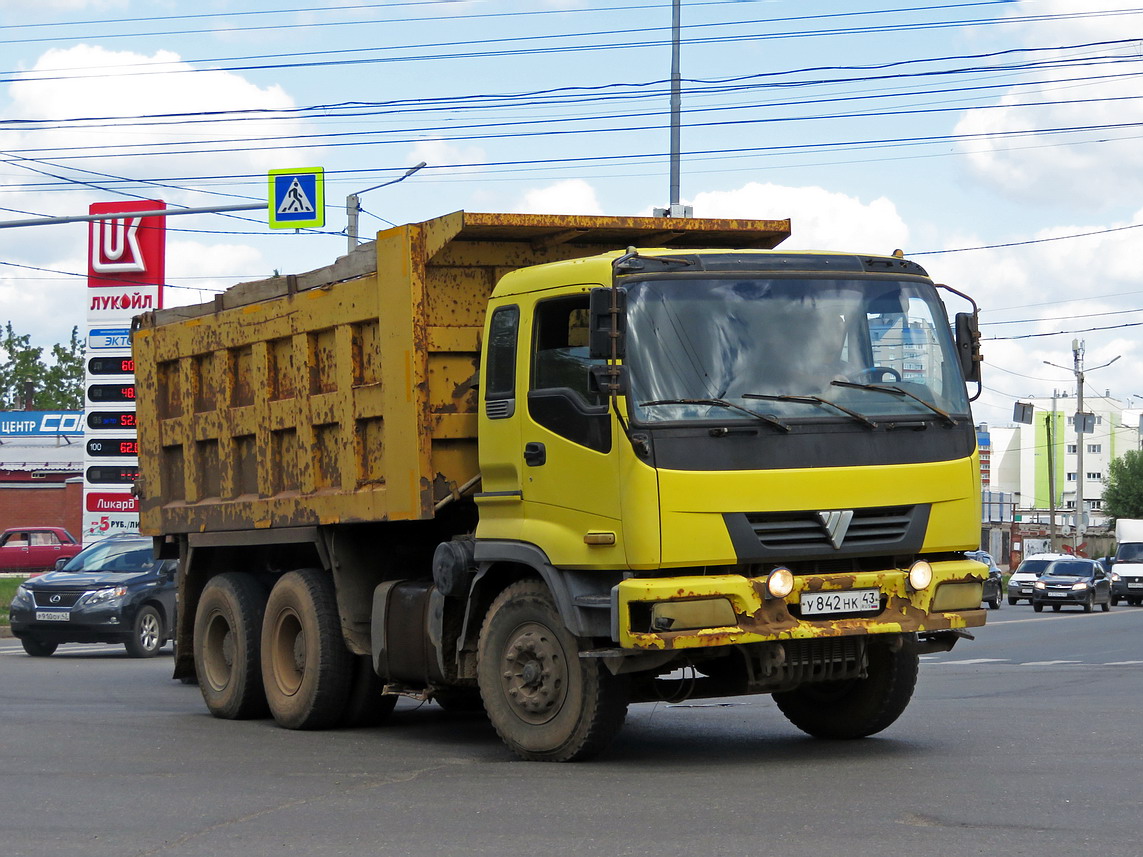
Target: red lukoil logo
column 127, row 250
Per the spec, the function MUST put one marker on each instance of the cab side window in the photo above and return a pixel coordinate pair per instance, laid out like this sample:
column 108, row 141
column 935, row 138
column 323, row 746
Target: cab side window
column 560, row 394
column 500, row 371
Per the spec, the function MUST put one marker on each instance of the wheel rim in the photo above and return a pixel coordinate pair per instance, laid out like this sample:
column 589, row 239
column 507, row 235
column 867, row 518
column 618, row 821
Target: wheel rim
column 534, row 675
column 218, row 651
column 288, row 652
column 149, row 632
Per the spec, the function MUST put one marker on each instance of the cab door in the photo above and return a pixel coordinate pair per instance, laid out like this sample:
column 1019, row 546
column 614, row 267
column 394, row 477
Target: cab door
column 567, row 454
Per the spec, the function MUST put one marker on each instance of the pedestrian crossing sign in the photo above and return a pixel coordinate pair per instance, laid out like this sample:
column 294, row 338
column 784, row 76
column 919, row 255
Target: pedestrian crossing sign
column 297, row 198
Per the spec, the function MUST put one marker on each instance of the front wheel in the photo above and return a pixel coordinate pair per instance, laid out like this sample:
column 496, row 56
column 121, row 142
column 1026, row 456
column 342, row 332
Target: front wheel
column 38, row 648
column 1039, row 608
column 1106, row 606
column 545, row 702
column 1114, row 600
column 855, row 708
column 306, row 668
column 147, row 634
column 1089, row 604
column 1012, row 602
column 994, row 604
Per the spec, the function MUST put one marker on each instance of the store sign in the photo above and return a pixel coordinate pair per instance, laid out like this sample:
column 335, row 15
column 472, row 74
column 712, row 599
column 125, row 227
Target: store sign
column 126, row 267
column 40, row 423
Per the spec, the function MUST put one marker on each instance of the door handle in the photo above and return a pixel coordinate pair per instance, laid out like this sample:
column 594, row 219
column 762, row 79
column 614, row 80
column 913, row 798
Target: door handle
column 535, row 454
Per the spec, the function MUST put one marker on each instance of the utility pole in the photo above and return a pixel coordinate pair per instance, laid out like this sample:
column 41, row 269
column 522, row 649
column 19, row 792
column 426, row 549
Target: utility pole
column 1082, row 427
column 675, row 209
column 1049, row 424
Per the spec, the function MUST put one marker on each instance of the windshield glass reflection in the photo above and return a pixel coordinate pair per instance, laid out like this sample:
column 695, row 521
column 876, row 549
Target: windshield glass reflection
column 777, row 346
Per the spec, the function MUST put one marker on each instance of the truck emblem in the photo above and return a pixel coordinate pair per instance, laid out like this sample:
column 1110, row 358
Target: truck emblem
column 836, row 525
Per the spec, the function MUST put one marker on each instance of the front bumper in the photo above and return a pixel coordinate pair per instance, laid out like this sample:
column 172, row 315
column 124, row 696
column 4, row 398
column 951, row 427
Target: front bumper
column 101, row 623
column 1061, row 596
column 1020, row 592
column 753, row 618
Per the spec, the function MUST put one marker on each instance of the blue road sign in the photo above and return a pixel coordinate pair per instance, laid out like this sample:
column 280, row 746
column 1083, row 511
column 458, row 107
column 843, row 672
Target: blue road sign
column 297, row 198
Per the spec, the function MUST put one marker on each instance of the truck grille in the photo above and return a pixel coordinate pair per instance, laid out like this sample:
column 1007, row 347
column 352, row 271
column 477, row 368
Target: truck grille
column 798, row 531
column 60, row 598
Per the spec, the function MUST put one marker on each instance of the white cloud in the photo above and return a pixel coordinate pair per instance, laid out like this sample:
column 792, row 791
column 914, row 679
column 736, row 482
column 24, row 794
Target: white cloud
column 1106, row 172
column 821, row 219
column 574, row 196
column 48, row 305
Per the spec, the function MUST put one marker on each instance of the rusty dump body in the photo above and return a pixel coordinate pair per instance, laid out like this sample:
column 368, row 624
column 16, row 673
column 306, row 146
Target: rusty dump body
column 348, row 394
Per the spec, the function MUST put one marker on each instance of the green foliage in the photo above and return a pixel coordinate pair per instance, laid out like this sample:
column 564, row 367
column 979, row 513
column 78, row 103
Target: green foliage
column 57, row 385
column 1123, row 496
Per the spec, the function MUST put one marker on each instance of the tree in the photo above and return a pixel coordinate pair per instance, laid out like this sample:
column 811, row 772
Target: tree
column 1123, row 495
column 58, row 386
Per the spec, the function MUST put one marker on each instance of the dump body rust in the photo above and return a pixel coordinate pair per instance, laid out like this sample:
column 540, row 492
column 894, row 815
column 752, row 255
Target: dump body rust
column 349, row 394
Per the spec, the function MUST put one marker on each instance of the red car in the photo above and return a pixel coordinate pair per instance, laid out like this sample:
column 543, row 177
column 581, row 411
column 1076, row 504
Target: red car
column 34, row 550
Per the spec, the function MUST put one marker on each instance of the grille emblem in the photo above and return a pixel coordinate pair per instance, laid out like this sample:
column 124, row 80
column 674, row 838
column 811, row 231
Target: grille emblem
column 55, row 599
column 836, row 525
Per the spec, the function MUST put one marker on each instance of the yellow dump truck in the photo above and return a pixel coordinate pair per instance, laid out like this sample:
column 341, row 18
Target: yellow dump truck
column 552, row 466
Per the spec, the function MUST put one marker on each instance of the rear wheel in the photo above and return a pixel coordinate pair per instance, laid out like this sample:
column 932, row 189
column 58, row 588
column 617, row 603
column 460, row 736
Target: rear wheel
column 994, row 604
column 147, row 634
column 227, row 646
column 546, row 703
column 855, row 708
column 306, row 668
column 38, row 648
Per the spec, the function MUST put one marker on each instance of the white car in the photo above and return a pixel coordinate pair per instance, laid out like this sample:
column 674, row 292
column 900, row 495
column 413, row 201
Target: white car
column 1024, row 577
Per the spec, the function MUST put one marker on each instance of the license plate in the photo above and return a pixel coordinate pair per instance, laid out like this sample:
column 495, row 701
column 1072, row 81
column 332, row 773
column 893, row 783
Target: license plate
column 1025, row 591
column 1057, row 594
column 1135, row 586
column 53, row 616
column 849, row 601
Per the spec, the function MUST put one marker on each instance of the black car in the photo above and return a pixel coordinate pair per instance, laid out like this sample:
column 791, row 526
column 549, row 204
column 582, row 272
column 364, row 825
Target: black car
column 1074, row 580
column 112, row 592
column 991, row 592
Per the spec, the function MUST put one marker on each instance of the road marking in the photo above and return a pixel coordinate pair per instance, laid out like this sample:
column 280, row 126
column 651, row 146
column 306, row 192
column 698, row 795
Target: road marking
column 1049, row 663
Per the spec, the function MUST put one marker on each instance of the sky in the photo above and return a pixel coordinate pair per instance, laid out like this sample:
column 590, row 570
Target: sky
column 995, row 142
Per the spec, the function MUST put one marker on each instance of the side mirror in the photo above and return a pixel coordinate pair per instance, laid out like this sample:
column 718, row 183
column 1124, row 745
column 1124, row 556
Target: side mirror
column 600, row 331
column 60, row 563
column 968, row 345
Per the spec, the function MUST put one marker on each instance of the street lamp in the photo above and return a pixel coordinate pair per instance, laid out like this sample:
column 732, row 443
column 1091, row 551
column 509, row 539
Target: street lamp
column 353, row 204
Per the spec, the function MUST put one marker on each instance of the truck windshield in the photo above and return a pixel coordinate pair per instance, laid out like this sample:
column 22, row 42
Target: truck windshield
column 1130, row 552
column 778, row 345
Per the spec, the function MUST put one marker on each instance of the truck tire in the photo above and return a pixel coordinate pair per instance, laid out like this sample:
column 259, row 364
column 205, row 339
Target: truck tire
column 146, row 634
column 227, row 647
column 856, row 708
column 545, row 702
column 366, row 705
column 306, row 668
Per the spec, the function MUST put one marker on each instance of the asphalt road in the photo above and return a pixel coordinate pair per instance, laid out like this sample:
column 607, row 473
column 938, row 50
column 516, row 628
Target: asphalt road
column 1023, row 742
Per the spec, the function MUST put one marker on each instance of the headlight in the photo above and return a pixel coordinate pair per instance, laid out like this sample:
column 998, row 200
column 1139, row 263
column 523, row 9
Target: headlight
column 920, row 575
column 23, row 595
column 1114, row 576
column 780, row 582
column 104, row 596
column 1080, row 585
column 1040, row 584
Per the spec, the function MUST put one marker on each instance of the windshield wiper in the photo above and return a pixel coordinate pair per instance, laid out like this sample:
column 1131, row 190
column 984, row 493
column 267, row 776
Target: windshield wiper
column 814, row 400
column 897, row 391
column 769, row 419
